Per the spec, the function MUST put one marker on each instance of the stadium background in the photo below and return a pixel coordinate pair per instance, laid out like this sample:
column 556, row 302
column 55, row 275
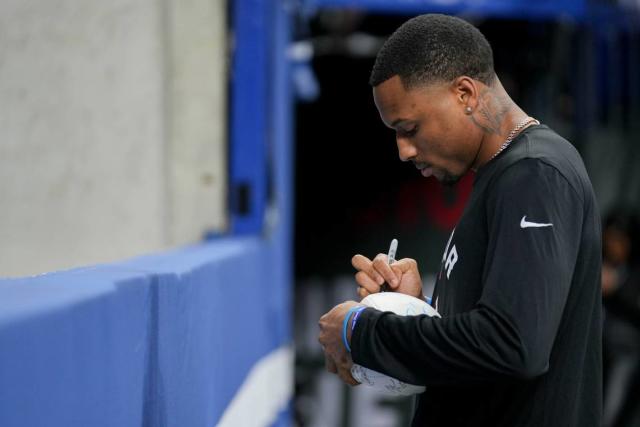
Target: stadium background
column 198, row 175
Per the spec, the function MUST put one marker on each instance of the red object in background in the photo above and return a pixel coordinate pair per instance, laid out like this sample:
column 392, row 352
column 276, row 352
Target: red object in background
column 444, row 209
column 443, row 206
column 416, row 200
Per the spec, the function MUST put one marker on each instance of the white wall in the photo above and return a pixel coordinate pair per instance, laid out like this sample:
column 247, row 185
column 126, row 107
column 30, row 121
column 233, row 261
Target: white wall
column 112, row 129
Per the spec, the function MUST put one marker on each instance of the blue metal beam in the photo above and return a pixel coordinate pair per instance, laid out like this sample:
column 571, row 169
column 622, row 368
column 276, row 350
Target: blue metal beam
column 248, row 111
column 538, row 9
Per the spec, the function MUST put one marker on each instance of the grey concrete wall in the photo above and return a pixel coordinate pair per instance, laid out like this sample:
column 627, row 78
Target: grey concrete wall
column 197, row 131
column 101, row 135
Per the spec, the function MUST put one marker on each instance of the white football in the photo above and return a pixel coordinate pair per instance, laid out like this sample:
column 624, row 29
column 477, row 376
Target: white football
column 403, row 305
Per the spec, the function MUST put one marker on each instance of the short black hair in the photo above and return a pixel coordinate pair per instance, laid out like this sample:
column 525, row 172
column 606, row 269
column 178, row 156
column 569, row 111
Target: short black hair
column 431, row 48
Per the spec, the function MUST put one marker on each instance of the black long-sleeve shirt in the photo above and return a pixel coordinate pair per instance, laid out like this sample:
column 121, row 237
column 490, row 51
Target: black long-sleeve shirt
column 519, row 341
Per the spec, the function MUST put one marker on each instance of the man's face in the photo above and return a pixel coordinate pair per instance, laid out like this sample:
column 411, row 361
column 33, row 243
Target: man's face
column 432, row 130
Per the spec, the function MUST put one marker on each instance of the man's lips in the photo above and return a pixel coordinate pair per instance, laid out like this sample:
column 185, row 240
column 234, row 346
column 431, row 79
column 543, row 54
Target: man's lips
column 426, row 171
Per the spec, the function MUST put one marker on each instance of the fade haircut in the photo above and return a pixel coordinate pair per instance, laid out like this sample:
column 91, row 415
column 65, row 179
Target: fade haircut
column 434, row 48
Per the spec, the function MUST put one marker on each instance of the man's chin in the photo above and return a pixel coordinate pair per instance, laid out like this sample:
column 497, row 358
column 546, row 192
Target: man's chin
column 444, row 178
column 448, row 180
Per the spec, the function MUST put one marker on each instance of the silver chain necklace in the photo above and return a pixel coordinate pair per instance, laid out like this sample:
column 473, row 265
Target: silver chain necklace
column 513, row 133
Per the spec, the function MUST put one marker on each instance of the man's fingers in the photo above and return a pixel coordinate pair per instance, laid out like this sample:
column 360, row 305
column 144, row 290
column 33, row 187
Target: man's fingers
column 362, row 292
column 330, row 365
column 403, row 265
column 360, row 262
column 345, row 375
column 364, row 264
column 381, row 266
column 366, row 282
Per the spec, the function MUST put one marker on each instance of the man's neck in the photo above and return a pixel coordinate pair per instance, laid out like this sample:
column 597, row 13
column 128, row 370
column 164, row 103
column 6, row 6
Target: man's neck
column 497, row 115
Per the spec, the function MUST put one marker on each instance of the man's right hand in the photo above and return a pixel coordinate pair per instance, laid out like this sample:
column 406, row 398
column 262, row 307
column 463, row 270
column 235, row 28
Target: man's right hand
column 402, row 276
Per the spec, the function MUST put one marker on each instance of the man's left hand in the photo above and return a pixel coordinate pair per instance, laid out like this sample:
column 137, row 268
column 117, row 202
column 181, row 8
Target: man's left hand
column 338, row 360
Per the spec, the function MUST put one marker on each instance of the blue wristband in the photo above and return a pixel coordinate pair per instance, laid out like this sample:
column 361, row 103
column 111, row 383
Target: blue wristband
column 355, row 319
column 345, row 322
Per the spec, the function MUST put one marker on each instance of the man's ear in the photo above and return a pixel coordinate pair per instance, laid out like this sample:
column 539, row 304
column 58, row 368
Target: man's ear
column 466, row 91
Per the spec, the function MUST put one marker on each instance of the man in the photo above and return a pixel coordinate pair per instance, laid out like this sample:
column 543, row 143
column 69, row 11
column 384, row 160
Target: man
column 519, row 341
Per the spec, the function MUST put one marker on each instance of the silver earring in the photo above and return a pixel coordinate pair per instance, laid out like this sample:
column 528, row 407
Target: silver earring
column 468, row 110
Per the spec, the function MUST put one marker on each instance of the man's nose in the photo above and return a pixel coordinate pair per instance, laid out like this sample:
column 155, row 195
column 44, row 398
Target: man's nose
column 406, row 151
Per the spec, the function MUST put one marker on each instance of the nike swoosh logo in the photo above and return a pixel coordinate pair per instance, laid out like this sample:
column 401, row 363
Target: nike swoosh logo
column 526, row 224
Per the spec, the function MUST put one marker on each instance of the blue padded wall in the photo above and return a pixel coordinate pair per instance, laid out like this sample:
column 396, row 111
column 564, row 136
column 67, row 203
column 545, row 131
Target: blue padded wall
column 163, row 340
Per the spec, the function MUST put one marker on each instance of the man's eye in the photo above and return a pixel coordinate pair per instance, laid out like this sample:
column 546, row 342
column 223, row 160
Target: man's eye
column 408, row 133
